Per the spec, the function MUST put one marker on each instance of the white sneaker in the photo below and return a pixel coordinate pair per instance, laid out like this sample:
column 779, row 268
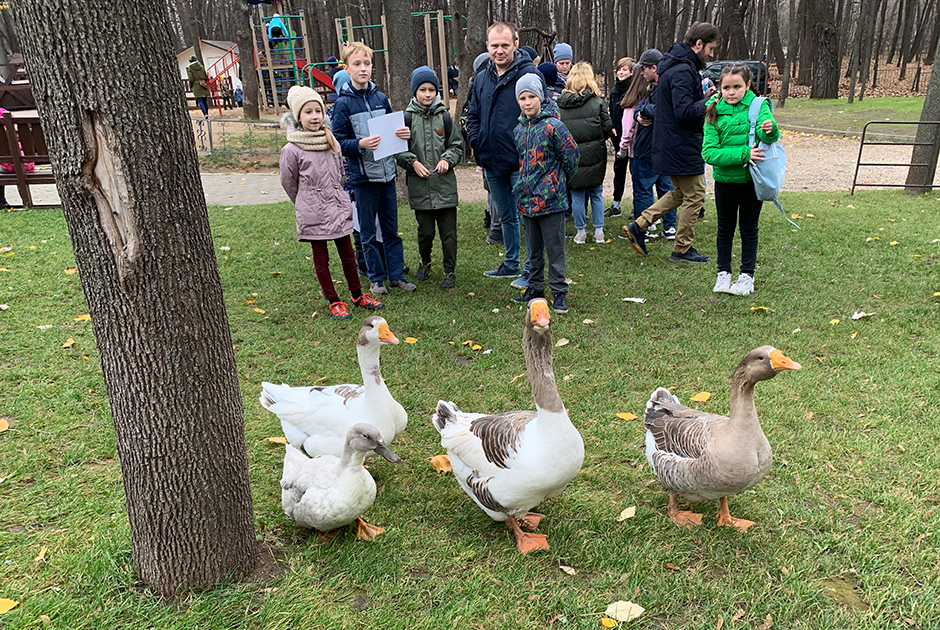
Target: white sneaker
column 723, row 283
column 670, row 234
column 744, row 285
column 599, row 235
column 653, row 231
column 581, row 237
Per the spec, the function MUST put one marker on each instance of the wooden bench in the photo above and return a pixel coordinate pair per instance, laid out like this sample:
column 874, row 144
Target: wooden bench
column 27, row 131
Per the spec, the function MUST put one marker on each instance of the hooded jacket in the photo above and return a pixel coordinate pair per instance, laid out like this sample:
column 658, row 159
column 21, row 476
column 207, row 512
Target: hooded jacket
column 726, row 145
column 680, row 114
column 548, row 155
column 428, row 146
column 313, row 180
column 493, row 113
column 350, row 123
column 587, row 119
column 195, row 73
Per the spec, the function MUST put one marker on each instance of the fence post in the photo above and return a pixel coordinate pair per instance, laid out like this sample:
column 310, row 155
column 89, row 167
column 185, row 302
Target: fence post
column 915, row 86
column 209, row 132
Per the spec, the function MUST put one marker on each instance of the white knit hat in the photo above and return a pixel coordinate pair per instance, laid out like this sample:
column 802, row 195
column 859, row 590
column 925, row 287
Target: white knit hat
column 300, row 95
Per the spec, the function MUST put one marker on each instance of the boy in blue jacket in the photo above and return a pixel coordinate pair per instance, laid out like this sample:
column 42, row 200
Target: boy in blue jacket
column 373, row 180
column 548, row 156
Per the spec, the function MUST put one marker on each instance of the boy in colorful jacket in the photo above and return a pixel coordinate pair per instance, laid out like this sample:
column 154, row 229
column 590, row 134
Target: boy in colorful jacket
column 548, row 155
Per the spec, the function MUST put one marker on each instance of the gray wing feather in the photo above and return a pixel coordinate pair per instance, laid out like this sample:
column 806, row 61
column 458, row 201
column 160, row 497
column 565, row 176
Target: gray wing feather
column 499, row 434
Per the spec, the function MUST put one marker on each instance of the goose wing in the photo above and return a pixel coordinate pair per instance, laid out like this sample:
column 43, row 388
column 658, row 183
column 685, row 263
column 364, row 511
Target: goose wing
column 312, row 410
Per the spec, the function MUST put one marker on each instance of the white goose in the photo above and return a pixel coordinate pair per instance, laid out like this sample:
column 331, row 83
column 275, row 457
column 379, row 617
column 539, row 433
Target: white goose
column 315, row 419
column 706, row 456
column 510, row 462
column 326, row 493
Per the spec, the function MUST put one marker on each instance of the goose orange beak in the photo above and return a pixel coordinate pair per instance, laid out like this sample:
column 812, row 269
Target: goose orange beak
column 386, row 335
column 540, row 315
column 781, row 362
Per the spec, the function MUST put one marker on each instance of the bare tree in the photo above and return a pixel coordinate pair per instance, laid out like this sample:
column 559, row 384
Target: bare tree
column 401, row 55
column 826, row 64
column 791, row 53
column 928, row 139
column 126, row 170
column 246, row 58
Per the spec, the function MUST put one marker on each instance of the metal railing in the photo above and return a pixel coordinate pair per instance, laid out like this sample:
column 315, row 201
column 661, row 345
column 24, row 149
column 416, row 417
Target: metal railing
column 929, row 173
column 254, row 137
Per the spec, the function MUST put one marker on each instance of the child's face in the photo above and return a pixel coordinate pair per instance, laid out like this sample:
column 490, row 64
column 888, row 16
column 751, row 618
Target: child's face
column 359, row 67
column 623, row 73
column 733, row 87
column 426, row 94
column 530, row 104
column 311, row 116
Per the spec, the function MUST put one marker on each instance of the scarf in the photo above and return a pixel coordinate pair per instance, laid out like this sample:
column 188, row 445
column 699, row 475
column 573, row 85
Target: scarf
column 309, row 140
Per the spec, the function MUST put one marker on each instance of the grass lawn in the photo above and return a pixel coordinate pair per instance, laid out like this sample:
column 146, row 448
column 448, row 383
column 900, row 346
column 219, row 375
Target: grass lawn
column 839, row 115
column 847, row 519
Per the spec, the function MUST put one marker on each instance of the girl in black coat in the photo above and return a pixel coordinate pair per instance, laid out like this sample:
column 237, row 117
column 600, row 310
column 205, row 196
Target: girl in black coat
column 624, row 77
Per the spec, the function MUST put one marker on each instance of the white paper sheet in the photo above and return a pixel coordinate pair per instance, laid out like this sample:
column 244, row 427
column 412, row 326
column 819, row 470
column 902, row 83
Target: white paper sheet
column 385, row 126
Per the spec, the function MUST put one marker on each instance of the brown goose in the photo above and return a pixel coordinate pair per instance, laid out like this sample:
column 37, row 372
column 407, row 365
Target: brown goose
column 705, row 456
column 510, row 462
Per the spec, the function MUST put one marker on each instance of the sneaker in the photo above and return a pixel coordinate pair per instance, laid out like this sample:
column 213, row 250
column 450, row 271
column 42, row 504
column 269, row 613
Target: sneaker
column 670, row 233
column 405, row 270
column 691, row 256
column 568, row 233
column 423, row 271
column 653, row 231
column 559, row 303
column 744, row 285
column 339, row 310
column 494, row 238
column 378, row 288
column 404, row 285
column 723, row 283
column 599, row 236
column 613, row 211
column 448, row 281
column 522, row 282
column 502, row 272
column 637, row 237
column 367, row 301
column 581, row 237
column 528, row 294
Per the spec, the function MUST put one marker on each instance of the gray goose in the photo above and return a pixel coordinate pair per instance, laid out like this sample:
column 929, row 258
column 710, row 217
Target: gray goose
column 704, row 456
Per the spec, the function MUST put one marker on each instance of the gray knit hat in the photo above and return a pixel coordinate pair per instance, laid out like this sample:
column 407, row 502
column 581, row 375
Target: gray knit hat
column 530, row 83
column 649, row 57
column 300, row 95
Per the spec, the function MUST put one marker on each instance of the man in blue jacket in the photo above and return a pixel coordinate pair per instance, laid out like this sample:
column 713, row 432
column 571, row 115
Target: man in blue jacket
column 677, row 141
column 494, row 113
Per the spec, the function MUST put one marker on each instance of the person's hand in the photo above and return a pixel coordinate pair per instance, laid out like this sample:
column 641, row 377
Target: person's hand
column 421, row 170
column 621, row 154
column 370, row 142
column 757, row 155
column 710, row 92
column 767, row 126
column 404, row 133
column 643, row 120
column 442, row 167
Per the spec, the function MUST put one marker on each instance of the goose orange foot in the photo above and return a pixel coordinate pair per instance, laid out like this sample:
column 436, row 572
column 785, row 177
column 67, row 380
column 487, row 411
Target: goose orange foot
column 682, row 518
column 364, row 531
column 725, row 518
column 330, row 535
column 531, row 520
column 525, row 541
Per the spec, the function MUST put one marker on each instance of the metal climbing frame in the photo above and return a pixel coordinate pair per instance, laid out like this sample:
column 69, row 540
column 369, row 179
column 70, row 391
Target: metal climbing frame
column 279, row 60
column 929, row 169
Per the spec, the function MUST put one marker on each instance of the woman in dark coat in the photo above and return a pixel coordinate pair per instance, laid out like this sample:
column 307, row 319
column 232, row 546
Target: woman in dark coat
column 624, row 78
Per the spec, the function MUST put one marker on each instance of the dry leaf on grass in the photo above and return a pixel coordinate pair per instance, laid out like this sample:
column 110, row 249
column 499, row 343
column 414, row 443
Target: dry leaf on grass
column 588, row 321
column 259, row 310
column 441, row 463
column 83, row 318
column 4, row 424
column 768, row 622
column 624, row 611
column 630, row 512
column 833, row 321
column 411, row 340
column 626, row 415
column 41, row 555
column 894, row 243
column 567, row 570
column 71, row 270
column 561, row 342
column 476, row 346
column 763, row 309
column 45, row 619
column 872, row 238
column 68, row 343
column 701, row 397
column 7, row 605
column 278, row 440
column 861, row 314
column 607, row 622
column 738, row 615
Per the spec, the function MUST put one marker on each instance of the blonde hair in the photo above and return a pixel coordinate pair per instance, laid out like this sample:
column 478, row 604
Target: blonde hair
column 580, row 78
column 355, row 47
column 626, row 62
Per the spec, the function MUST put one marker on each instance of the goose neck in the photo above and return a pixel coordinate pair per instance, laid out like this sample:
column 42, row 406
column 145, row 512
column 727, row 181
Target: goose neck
column 742, row 397
column 369, row 364
column 538, row 361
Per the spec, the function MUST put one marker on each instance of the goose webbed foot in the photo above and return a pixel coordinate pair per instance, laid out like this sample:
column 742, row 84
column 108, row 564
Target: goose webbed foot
column 725, row 518
column 682, row 518
column 531, row 520
column 526, row 541
column 364, row 531
column 328, row 536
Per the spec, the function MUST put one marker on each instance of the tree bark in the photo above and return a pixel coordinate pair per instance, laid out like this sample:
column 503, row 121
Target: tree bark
column 825, row 60
column 246, row 59
column 401, row 55
column 734, row 41
column 776, row 47
column 918, row 175
column 791, row 52
column 805, row 74
column 126, row 170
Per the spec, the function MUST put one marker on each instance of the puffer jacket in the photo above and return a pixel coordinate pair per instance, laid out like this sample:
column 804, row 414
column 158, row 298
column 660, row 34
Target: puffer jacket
column 313, row 180
column 680, row 114
column 548, row 155
column 493, row 114
column 726, row 145
column 350, row 123
column 587, row 119
column 429, row 146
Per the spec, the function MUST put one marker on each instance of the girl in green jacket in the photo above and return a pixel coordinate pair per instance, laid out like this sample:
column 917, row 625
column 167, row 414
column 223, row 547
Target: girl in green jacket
column 726, row 148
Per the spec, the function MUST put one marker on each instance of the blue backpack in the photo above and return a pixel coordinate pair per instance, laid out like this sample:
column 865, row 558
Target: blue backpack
column 767, row 174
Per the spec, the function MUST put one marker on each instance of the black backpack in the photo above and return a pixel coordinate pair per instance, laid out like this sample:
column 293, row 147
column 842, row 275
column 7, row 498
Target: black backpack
column 448, row 123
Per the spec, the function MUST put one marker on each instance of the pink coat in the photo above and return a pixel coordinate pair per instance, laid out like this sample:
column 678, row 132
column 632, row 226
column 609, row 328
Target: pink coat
column 629, row 132
column 313, row 180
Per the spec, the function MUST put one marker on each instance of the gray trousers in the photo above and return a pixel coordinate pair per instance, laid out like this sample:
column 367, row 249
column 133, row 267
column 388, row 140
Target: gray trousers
column 546, row 237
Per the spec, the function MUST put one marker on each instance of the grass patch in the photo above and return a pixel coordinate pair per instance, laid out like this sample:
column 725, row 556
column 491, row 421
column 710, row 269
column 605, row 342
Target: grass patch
column 840, row 116
column 846, row 520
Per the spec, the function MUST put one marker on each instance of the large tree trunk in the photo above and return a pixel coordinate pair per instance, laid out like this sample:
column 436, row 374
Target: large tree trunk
column 776, row 47
column 126, row 170
column 734, row 41
column 246, row 59
column 918, row 175
column 825, row 52
column 805, row 74
column 791, row 52
column 401, row 55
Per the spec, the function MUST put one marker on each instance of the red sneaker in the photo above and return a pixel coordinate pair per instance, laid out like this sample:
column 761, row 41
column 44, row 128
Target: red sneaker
column 339, row 310
column 367, row 301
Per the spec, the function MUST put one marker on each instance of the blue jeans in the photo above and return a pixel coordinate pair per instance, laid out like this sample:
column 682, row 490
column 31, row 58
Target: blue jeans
column 644, row 179
column 579, row 201
column 380, row 199
column 203, row 103
column 505, row 201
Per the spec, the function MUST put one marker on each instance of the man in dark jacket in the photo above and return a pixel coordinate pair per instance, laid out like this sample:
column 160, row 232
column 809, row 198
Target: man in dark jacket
column 494, row 113
column 677, row 140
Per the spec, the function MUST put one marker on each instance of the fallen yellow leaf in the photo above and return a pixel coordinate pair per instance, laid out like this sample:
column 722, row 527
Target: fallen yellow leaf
column 588, row 321
column 7, row 605
column 624, row 611
column 275, row 273
column 259, row 310
column 517, row 377
column 4, row 424
column 630, row 512
column 795, row 216
column 249, row 302
column 894, row 243
column 83, row 318
column 70, row 270
column 278, row 440
column 411, row 340
column 760, row 308
column 833, row 321
column 476, row 346
column 468, row 342
column 441, row 463
column 810, row 216
column 3, row 269
column 41, row 555
column 701, row 397
column 854, row 335
column 68, row 343
column 936, row 293
column 45, row 619
column 607, row 622
column 626, row 415
column 564, row 342
column 872, row 238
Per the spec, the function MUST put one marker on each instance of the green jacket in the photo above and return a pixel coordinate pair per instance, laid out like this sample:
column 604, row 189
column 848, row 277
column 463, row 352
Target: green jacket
column 428, row 146
column 195, row 72
column 726, row 147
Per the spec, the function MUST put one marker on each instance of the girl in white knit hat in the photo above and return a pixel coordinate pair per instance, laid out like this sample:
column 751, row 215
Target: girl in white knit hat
column 312, row 176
